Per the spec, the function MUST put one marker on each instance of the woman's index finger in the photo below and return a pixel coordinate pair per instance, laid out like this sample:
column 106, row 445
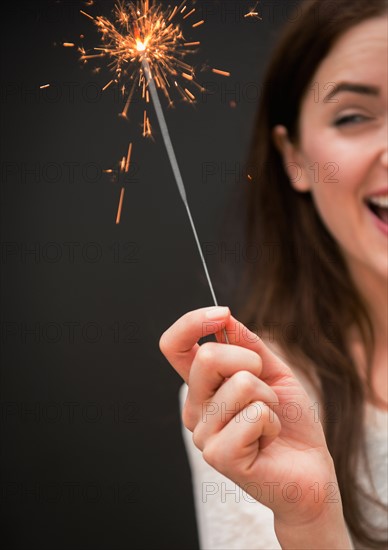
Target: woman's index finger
column 238, row 334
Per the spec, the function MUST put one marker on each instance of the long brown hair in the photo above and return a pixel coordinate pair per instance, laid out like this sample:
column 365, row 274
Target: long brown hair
column 302, row 285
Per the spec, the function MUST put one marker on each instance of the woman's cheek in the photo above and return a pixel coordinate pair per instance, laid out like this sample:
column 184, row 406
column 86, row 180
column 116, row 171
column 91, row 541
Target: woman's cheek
column 335, row 199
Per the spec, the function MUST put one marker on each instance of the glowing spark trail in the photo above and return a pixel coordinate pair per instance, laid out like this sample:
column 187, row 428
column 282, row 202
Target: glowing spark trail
column 143, row 27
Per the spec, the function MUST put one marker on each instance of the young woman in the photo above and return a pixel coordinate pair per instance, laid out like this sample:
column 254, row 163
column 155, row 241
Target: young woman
column 296, row 418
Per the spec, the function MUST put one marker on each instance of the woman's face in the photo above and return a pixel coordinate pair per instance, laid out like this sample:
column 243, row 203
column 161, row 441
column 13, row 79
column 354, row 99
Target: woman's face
column 342, row 155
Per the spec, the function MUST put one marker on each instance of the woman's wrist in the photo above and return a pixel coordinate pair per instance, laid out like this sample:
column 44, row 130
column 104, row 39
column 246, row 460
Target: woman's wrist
column 328, row 531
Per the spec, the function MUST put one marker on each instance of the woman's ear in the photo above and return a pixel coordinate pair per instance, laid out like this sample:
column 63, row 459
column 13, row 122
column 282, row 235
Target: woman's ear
column 292, row 159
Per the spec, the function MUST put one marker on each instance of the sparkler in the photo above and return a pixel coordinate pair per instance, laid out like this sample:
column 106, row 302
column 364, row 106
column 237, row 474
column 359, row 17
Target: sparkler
column 146, row 49
column 176, row 170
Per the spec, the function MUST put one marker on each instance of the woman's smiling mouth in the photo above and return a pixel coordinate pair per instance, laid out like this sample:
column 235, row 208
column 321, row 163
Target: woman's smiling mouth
column 378, row 206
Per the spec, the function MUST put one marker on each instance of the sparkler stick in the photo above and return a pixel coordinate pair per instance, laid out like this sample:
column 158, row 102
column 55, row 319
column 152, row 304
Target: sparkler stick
column 175, row 168
column 146, row 49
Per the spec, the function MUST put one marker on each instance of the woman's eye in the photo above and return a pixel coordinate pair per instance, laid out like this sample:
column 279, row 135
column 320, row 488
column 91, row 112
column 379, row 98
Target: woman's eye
column 350, row 119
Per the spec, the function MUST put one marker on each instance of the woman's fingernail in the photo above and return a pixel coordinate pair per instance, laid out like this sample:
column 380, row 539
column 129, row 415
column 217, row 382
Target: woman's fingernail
column 217, row 313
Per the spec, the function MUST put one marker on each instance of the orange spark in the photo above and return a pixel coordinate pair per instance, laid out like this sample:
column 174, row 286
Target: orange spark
column 191, row 96
column 120, row 208
column 86, row 15
column 222, row 73
column 107, row 85
column 188, row 14
column 253, row 13
column 128, row 161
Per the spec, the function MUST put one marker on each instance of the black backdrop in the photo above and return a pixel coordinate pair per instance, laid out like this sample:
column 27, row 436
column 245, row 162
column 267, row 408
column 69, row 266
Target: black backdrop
column 91, row 454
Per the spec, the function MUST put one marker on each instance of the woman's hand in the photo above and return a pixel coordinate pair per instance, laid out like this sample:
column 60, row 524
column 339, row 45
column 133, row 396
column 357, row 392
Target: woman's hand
column 252, row 419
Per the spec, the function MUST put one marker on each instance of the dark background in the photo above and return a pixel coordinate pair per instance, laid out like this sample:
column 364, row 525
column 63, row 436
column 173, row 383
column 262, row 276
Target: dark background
column 91, row 450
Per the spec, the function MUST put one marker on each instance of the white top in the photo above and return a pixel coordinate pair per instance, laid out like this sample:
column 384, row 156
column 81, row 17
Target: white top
column 230, row 519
